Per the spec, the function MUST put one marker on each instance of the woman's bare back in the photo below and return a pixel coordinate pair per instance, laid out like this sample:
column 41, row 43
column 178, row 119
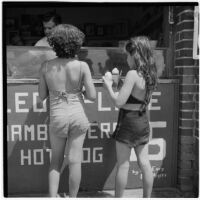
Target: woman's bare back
column 68, row 75
column 139, row 88
column 64, row 75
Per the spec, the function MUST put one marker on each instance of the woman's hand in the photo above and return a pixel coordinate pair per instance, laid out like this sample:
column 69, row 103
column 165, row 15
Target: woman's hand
column 107, row 82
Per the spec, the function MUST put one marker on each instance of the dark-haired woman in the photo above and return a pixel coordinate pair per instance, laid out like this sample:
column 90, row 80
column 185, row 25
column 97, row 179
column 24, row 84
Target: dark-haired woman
column 62, row 79
column 132, row 129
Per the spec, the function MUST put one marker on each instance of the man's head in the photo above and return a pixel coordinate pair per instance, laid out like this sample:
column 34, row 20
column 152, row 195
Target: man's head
column 50, row 20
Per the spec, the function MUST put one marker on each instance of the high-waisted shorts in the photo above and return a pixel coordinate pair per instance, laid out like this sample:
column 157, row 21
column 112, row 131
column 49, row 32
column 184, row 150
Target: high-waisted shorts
column 132, row 128
column 67, row 116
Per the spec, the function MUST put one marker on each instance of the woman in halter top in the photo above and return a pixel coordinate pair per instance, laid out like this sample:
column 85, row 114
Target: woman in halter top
column 62, row 80
column 132, row 129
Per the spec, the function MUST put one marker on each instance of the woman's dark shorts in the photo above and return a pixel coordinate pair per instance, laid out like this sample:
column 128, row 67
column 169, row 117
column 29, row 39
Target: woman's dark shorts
column 132, row 128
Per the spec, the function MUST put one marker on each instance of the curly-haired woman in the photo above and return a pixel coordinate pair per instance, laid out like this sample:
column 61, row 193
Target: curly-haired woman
column 132, row 129
column 62, row 79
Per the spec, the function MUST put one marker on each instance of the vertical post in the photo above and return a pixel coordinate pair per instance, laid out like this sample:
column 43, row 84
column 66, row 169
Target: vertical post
column 186, row 70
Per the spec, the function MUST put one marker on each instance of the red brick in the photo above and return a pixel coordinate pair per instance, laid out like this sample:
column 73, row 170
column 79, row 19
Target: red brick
column 196, row 151
column 177, row 19
column 185, row 180
column 196, row 147
column 197, row 105
column 184, row 62
column 186, row 35
column 186, row 52
column 185, row 164
column 177, row 54
column 186, row 114
column 177, row 36
column 185, row 25
column 187, row 16
column 179, row 9
column 186, row 148
column 186, row 132
column 187, row 97
column 197, row 75
column 185, row 172
column 184, row 44
column 186, row 187
column 186, row 156
column 189, row 194
column 196, row 132
column 197, row 97
column 186, row 70
column 186, row 106
column 196, row 114
column 196, row 183
column 186, row 123
column 189, row 88
column 186, row 140
column 196, row 123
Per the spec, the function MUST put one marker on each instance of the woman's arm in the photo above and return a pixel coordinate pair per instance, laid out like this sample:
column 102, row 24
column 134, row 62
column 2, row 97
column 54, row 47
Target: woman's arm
column 88, row 83
column 120, row 98
column 42, row 87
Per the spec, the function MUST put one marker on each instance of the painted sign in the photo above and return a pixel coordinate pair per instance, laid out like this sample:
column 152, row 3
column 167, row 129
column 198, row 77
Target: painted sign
column 29, row 151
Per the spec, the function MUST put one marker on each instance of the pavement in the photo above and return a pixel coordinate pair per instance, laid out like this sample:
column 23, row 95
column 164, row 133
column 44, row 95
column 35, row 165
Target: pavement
column 129, row 193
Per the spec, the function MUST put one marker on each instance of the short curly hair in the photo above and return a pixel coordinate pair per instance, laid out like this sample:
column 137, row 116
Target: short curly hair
column 66, row 40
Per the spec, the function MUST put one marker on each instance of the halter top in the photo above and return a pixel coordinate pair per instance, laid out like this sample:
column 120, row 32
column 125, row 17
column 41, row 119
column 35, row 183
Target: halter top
column 75, row 92
column 133, row 100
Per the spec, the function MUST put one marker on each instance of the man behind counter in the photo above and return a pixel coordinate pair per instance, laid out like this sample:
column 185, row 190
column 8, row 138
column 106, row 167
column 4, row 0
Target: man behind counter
column 49, row 20
column 35, row 57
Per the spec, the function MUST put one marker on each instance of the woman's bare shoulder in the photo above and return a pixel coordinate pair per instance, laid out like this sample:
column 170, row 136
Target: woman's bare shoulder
column 135, row 73
column 84, row 66
column 131, row 73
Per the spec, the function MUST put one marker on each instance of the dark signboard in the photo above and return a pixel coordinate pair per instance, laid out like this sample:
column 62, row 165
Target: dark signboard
column 29, row 151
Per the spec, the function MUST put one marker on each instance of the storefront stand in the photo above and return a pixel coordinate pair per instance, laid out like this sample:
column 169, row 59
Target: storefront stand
column 28, row 147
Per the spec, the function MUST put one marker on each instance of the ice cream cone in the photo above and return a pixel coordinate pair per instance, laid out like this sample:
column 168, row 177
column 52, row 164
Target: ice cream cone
column 115, row 76
column 108, row 75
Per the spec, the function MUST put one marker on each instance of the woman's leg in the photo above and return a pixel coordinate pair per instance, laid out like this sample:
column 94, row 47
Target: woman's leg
column 58, row 147
column 145, row 166
column 75, row 154
column 123, row 156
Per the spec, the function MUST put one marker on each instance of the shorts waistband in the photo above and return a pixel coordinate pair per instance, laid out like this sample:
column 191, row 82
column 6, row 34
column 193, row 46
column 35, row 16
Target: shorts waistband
column 67, row 96
column 137, row 112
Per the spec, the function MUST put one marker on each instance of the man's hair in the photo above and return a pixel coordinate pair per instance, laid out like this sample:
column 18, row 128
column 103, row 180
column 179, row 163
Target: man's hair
column 52, row 15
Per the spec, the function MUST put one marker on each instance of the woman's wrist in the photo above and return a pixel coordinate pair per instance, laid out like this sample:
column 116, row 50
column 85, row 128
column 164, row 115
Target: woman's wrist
column 110, row 89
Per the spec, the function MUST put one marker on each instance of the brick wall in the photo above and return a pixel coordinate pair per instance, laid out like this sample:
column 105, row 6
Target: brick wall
column 187, row 71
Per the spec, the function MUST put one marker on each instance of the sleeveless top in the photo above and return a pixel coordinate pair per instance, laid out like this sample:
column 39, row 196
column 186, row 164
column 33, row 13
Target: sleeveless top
column 144, row 103
column 67, row 114
column 133, row 100
column 73, row 94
